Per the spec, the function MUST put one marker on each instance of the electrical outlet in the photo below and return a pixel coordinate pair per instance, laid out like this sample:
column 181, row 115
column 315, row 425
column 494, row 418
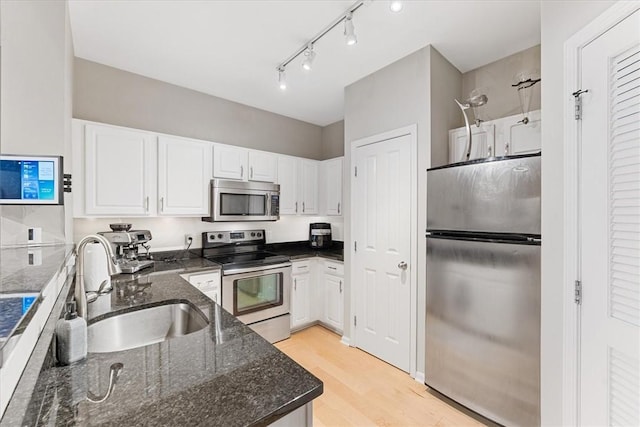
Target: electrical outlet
column 188, row 239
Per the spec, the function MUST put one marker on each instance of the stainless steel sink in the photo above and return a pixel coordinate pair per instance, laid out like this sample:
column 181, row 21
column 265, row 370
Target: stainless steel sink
column 143, row 327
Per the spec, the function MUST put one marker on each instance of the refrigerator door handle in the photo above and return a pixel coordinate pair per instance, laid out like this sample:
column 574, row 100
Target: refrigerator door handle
column 402, row 265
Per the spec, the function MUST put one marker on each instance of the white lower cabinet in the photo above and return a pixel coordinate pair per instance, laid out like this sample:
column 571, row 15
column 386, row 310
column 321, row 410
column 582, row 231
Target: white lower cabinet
column 207, row 282
column 302, row 287
column 317, row 294
column 332, row 285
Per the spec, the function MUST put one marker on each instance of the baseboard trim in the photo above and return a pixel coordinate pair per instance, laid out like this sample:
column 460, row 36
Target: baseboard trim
column 345, row 340
column 419, row 377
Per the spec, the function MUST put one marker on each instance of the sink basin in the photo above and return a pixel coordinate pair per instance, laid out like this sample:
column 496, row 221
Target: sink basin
column 143, row 327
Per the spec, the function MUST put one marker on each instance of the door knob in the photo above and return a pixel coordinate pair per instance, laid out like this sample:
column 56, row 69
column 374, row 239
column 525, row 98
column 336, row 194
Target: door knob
column 402, row 265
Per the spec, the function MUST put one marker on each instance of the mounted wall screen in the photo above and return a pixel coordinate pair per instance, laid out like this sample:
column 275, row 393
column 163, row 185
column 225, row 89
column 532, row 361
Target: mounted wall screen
column 31, row 180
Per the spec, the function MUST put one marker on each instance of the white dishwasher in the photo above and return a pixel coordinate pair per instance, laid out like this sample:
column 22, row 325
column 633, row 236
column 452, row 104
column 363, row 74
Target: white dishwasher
column 207, row 282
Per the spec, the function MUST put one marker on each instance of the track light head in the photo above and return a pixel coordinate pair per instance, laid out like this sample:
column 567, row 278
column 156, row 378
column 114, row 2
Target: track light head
column 309, row 56
column 395, row 5
column 349, row 30
column 282, row 79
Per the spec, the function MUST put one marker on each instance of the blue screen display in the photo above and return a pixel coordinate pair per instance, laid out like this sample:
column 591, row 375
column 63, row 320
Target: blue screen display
column 28, row 180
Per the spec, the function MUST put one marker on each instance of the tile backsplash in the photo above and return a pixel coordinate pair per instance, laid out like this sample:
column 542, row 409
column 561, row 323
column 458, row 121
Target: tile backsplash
column 169, row 233
column 15, row 222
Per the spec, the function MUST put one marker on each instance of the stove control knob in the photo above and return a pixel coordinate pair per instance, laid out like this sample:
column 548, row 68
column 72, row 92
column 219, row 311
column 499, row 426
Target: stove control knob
column 219, row 236
column 253, row 234
column 212, row 237
column 259, row 234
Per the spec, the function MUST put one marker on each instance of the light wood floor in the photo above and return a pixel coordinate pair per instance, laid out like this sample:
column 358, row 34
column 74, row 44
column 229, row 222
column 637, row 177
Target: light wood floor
column 360, row 390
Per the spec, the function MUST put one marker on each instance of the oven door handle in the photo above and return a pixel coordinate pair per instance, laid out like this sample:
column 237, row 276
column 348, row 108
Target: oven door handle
column 255, row 269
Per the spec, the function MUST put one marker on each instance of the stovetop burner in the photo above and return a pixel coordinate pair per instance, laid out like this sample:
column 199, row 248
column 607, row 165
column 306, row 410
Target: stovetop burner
column 239, row 250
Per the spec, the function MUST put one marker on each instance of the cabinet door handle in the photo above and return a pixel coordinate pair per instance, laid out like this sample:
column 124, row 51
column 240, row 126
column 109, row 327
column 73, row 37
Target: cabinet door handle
column 506, row 149
column 338, row 207
column 295, row 284
column 489, row 151
column 332, row 268
column 296, row 207
column 146, row 204
column 251, row 172
column 161, row 204
column 302, row 207
column 340, row 286
column 241, row 171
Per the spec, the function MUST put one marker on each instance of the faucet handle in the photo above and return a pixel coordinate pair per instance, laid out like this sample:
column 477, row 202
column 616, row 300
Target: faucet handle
column 102, row 290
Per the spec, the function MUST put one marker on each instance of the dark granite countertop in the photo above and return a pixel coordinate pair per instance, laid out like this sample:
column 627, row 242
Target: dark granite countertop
column 177, row 262
column 224, row 374
column 24, row 274
column 301, row 250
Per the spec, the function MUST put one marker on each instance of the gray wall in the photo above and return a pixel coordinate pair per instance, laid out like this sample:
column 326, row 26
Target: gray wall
column 35, row 98
column 109, row 95
column 404, row 93
column 333, row 140
column 560, row 20
column 497, row 77
column 446, row 84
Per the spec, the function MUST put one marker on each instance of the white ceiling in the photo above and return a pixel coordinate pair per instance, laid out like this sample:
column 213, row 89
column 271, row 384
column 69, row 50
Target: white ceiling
column 231, row 49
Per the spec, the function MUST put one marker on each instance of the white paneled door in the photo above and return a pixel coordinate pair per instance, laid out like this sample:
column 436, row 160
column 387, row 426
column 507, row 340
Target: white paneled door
column 610, row 228
column 382, row 231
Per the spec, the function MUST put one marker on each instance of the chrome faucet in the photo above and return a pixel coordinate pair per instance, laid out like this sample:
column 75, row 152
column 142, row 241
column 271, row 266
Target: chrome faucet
column 112, row 268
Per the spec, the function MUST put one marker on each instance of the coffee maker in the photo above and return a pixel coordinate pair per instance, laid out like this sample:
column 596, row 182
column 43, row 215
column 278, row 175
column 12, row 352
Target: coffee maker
column 320, row 235
column 126, row 244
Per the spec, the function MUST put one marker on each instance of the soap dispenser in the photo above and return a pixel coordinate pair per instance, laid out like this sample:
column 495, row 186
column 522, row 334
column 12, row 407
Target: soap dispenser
column 71, row 336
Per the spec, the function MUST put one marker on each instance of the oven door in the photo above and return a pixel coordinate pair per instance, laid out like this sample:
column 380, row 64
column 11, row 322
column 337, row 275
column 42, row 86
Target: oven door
column 257, row 295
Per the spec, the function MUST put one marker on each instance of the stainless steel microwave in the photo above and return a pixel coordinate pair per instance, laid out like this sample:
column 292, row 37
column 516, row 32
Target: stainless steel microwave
column 243, row 201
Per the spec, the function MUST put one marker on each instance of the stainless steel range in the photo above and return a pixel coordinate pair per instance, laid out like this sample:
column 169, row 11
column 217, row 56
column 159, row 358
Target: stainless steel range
column 256, row 284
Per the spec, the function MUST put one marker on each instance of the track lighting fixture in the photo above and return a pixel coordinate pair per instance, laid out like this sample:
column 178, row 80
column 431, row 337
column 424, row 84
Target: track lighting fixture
column 282, row 79
column 349, row 33
column 349, row 30
column 395, row 6
column 309, row 56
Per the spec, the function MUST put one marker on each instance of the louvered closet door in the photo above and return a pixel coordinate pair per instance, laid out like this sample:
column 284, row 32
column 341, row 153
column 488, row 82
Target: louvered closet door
column 610, row 228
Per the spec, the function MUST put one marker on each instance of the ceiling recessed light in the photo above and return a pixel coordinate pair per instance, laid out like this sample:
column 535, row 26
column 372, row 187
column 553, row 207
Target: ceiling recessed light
column 395, row 6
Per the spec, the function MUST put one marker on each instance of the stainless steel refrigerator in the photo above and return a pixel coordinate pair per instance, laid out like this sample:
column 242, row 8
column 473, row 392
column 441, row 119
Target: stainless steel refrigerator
column 483, row 286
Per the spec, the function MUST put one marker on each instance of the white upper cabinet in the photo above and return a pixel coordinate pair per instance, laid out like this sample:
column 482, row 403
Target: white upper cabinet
column 288, row 180
column 308, row 191
column 520, row 138
column 119, row 167
column 298, row 179
column 482, row 143
column 239, row 163
column 230, row 162
column 506, row 136
column 184, row 173
column 331, row 185
column 262, row 166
